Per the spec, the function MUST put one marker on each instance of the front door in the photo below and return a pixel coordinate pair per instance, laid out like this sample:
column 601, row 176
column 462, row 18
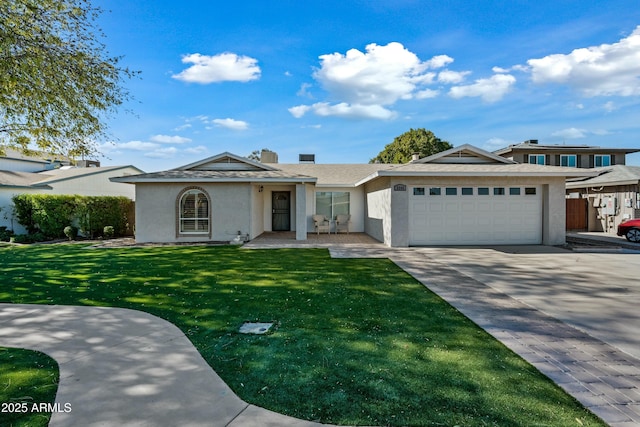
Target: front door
column 281, row 211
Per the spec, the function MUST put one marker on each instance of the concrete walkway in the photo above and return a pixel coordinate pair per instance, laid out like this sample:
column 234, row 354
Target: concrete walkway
column 129, row 368
column 122, row 367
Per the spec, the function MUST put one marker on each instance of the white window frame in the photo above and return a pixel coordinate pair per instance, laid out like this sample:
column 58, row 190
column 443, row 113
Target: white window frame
column 202, row 222
column 601, row 157
column 335, row 204
column 566, row 158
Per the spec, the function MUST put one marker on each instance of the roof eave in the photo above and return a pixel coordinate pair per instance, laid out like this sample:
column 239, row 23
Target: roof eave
column 214, row 180
column 586, row 184
column 485, row 173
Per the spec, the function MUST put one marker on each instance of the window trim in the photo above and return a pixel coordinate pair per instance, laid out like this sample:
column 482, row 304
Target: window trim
column 537, row 158
column 180, row 218
column 332, row 202
column 601, row 157
column 568, row 157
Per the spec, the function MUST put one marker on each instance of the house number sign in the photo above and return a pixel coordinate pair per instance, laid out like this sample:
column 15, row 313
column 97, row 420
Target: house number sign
column 399, row 187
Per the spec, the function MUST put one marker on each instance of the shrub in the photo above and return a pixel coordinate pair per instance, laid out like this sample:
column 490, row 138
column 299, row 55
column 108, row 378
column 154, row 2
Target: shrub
column 108, row 232
column 95, row 213
column 28, row 238
column 49, row 214
column 5, row 235
column 45, row 213
column 71, row 232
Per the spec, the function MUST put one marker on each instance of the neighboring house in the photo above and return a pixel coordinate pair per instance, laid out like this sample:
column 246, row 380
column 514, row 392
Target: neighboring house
column 579, row 156
column 602, row 202
column 85, row 181
column 608, row 199
column 462, row 196
column 14, row 160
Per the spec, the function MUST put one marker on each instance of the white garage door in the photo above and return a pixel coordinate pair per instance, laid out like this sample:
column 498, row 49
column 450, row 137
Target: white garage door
column 475, row 215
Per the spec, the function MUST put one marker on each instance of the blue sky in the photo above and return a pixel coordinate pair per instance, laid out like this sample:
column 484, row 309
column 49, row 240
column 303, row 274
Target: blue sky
column 341, row 79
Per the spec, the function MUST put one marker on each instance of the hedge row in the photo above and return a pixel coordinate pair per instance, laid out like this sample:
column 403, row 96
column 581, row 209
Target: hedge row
column 50, row 214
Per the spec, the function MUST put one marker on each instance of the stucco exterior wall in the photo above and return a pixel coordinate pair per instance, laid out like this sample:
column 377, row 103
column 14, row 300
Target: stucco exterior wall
column 7, row 216
column 96, row 185
column 257, row 207
column 377, row 215
column 156, row 221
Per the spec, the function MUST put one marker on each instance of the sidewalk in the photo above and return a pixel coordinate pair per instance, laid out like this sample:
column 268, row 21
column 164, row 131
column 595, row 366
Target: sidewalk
column 121, row 367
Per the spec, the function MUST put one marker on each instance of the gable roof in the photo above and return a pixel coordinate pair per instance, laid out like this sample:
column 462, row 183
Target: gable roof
column 45, row 178
column 226, row 162
column 465, row 160
column 18, row 179
column 464, row 154
column 609, row 176
column 174, row 175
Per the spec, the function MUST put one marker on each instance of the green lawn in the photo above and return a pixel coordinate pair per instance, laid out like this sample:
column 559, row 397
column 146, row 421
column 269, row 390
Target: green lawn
column 26, row 377
column 357, row 341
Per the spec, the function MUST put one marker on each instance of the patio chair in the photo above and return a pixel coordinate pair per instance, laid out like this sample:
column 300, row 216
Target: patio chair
column 321, row 224
column 342, row 223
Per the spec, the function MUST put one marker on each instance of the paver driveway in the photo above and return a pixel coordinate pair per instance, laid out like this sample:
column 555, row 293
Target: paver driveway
column 598, row 293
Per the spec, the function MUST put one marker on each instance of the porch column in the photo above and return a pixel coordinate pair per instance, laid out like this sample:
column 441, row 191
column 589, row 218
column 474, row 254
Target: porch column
column 301, row 212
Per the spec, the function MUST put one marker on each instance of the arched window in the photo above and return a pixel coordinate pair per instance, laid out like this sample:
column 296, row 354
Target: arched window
column 194, row 212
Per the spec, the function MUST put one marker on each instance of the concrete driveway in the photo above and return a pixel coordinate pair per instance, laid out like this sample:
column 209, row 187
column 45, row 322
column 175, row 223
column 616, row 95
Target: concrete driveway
column 598, row 293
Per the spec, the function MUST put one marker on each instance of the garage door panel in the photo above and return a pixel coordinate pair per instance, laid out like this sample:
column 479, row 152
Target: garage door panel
column 476, row 219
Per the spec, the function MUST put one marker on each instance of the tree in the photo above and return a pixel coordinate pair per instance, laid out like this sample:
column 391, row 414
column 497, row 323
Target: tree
column 58, row 84
column 420, row 141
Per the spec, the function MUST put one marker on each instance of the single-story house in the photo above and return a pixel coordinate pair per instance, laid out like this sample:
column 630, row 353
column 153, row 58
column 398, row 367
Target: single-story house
column 603, row 201
column 84, row 181
column 462, row 196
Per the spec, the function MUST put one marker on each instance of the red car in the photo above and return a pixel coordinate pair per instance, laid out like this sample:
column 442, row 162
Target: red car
column 631, row 230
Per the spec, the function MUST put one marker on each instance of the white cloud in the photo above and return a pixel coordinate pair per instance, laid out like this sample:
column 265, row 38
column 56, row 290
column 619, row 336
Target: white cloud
column 162, row 153
column 608, row 69
column 182, row 127
column 167, row 139
column 231, row 124
column 196, row 150
column 365, row 84
column 448, row 76
column 299, row 110
column 138, row 145
column 218, row 68
column 342, row 109
column 490, row 90
column 380, row 76
column 304, row 90
column 427, row 93
column 571, row 133
column 356, row 111
column 439, row 61
column 609, row 106
column 496, row 143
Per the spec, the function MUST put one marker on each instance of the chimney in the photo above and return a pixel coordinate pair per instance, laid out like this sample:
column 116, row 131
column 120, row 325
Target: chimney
column 307, row 158
column 267, row 156
column 415, row 157
column 88, row 163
